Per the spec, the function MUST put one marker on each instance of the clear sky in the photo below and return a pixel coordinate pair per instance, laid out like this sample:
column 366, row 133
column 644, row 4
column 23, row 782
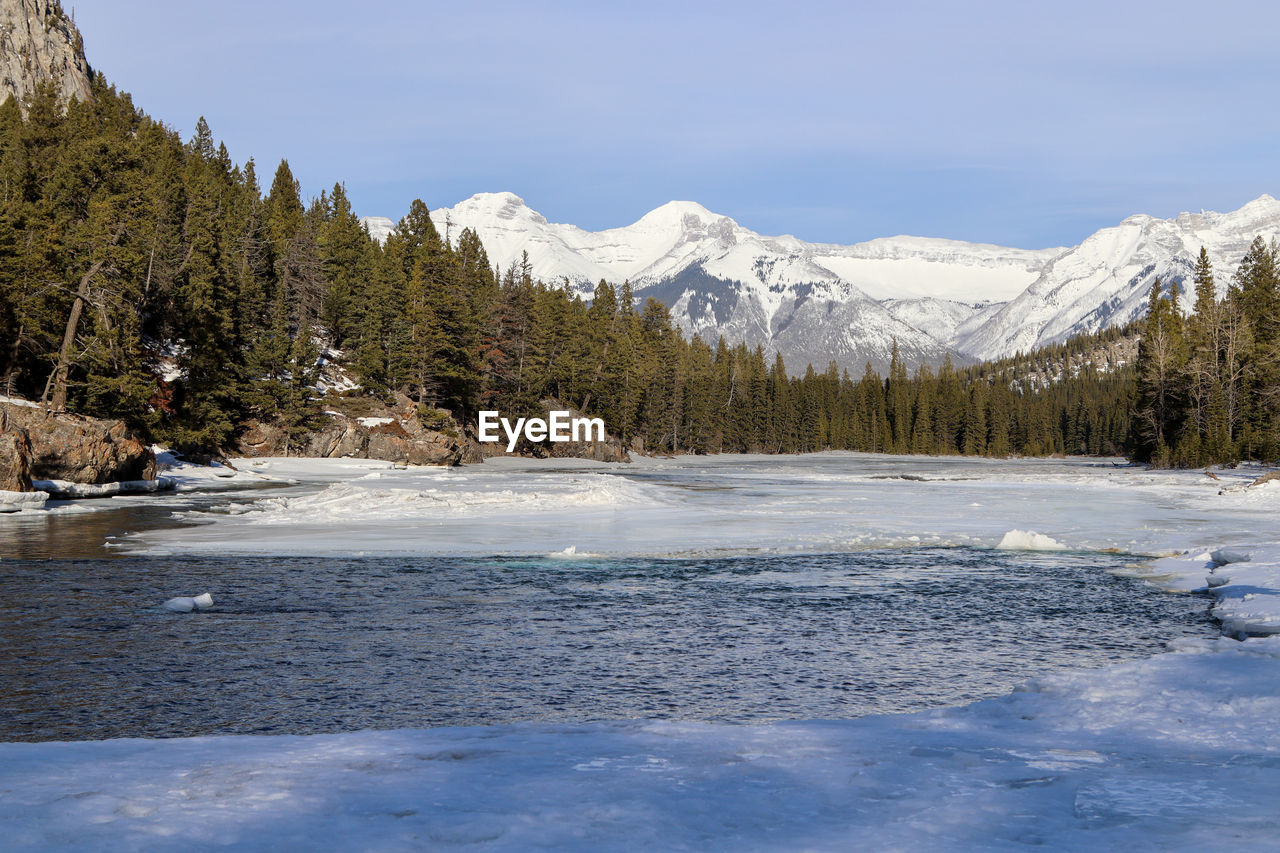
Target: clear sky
column 1021, row 123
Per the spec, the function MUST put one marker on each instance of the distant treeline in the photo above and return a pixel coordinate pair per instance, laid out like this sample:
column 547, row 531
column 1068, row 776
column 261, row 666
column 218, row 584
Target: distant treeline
column 151, row 280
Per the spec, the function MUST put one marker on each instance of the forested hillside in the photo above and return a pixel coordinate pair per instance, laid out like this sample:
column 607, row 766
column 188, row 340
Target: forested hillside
column 151, row 279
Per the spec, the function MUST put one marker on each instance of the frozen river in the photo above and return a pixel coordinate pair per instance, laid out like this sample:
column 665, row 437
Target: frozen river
column 596, row 657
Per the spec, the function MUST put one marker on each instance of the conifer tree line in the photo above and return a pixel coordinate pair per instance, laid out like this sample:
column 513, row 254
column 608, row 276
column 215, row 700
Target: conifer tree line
column 1209, row 382
column 151, row 279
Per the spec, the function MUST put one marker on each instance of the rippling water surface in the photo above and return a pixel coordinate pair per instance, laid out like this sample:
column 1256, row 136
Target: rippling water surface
column 303, row 645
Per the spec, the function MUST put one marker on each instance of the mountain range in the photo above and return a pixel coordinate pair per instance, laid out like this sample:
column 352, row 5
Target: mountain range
column 818, row 302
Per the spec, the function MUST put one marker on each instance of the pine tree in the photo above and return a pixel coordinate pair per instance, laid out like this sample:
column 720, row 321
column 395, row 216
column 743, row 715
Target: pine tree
column 1258, row 288
column 1161, row 360
column 346, row 252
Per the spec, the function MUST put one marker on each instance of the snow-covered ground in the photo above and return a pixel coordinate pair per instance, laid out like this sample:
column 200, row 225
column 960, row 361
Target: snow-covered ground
column 1180, row 751
column 711, row 506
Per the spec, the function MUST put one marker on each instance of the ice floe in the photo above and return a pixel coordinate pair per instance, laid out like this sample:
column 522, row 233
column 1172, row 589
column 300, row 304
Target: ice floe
column 186, row 604
column 1029, row 540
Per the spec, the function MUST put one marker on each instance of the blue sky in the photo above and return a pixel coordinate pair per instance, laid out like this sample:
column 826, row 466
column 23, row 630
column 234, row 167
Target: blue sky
column 1025, row 124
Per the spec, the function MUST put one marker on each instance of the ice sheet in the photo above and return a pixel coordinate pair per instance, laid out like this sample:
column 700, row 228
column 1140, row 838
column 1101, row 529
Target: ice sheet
column 710, row 505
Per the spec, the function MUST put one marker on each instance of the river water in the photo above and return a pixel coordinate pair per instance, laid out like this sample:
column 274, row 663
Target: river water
column 304, row 644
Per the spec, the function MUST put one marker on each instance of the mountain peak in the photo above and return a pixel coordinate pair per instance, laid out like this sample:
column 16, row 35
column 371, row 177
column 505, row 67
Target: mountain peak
column 682, row 208
column 499, row 199
column 685, row 217
column 1262, row 207
column 504, row 206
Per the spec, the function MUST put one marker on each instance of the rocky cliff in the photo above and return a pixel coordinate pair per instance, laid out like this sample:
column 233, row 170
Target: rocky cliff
column 39, row 42
column 15, row 460
column 36, row 445
column 73, row 448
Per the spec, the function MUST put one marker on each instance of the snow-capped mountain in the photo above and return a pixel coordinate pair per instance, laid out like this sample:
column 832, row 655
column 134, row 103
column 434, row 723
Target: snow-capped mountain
column 1105, row 280
column 815, row 302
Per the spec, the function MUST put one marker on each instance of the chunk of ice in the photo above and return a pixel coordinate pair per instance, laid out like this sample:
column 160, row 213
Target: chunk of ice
column 1029, row 540
column 186, row 604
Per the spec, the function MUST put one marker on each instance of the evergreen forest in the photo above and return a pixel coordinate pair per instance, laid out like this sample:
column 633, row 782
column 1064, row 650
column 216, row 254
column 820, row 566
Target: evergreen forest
column 151, row 279
column 1208, row 383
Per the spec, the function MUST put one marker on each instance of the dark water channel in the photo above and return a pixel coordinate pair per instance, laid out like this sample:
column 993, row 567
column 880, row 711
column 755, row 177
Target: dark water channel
column 303, row 645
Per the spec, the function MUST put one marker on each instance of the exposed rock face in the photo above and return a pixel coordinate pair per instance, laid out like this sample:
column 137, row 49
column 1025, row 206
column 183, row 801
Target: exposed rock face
column 80, row 449
column 396, row 433
column 39, row 42
column 15, row 461
column 402, row 440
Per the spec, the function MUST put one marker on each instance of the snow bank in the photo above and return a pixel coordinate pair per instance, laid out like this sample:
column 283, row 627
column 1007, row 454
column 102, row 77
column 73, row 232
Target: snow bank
column 67, row 490
column 1179, row 752
column 18, row 501
column 188, row 477
column 1244, row 578
column 1029, row 540
column 695, row 506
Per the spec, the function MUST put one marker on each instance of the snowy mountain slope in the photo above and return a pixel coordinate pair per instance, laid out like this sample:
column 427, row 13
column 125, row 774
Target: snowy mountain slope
column 815, row 302
column 813, row 321
column 378, row 227
column 940, row 319
column 1105, row 280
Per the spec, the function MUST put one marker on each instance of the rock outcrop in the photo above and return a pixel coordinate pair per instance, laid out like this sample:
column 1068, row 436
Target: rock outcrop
column 400, row 432
column 398, row 439
column 39, row 42
column 15, row 460
column 78, row 449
